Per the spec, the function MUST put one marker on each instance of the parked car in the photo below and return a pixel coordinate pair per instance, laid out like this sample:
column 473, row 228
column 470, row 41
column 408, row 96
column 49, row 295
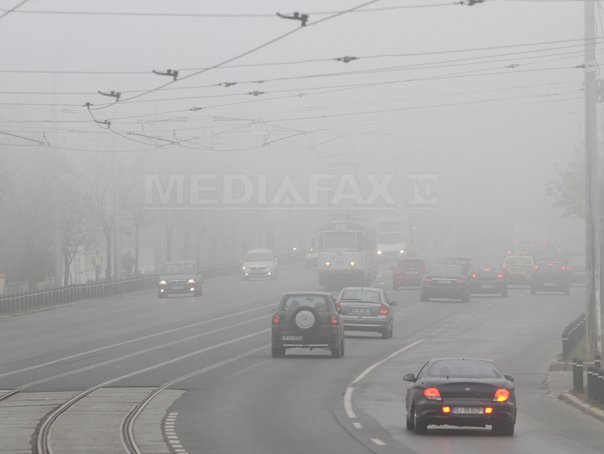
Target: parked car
column 576, row 266
column 259, row 263
column 307, row 320
column 445, row 281
column 488, row 278
column 518, row 269
column 182, row 278
column 466, row 263
column 461, row 392
column 366, row 309
column 550, row 276
column 408, row 272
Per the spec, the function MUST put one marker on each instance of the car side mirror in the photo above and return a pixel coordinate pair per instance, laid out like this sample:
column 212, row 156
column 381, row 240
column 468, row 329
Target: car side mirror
column 409, row 377
column 393, row 303
column 509, row 378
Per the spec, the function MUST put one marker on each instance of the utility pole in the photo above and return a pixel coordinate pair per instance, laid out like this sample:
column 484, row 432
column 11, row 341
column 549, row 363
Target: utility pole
column 592, row 291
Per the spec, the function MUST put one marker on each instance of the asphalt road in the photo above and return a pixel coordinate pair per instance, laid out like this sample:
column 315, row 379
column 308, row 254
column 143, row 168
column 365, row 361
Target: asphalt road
column 238, row 399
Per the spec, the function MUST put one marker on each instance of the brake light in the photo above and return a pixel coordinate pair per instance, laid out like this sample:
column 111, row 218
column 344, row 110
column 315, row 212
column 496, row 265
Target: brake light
column 500, row 276
column 446, row 410
column 501, row 395
column 473, row 276
column 488, row 410
column 383, row 309
column 335, row 320
column 566, row 268
column 536, row 267
column 432, row 394
column 276, row 319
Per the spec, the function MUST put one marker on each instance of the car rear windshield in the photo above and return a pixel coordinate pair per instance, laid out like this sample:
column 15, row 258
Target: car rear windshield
column 316, row 302
column 459, row 368
column 411, row 263
column 259, row 257
column 367, row 296
column 521, row 260
column 178, row 268
column 445, row 270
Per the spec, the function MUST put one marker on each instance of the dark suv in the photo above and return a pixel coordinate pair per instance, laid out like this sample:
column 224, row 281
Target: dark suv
column 307, row 320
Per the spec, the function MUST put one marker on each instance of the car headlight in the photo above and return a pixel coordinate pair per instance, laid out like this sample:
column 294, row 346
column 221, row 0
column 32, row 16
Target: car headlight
column 353, row 264
column 243, row 268
column 163, row 282
column 402, row 251
column 191, row 281
column 327, row 264
column 379, row 252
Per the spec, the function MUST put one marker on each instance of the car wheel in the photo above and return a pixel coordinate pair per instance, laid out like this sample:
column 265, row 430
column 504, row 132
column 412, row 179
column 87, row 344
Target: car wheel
column 199, row 292
column 277, row 351
column 336, row 352
column 419, row 426
column 387, row 332
column 305, row 320
column 342, row 348
column 506, row 429
column 409, row 422
column 466, row 298
column 162, row 295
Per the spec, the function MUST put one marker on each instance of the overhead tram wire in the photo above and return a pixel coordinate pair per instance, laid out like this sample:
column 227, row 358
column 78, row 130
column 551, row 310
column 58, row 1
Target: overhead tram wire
column 244, row 54
column 13, row 10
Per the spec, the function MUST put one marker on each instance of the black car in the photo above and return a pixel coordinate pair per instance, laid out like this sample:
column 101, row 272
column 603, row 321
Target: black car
column 488, row 278
column 366, row 309
column 182, row 278
column 461, row 392
column 307, row 320
column 445, row 281
column 550, row 276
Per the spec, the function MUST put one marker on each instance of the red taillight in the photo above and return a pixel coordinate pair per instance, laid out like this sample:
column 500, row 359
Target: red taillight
column 566, row 268
column 383, row 309
column 335, row 320
column 488, row 410
column 276, row 319
column 446, row 410
column 473, row 276
column 501, row 395
column 432, row 394
column 500, row 276
column 536, row 267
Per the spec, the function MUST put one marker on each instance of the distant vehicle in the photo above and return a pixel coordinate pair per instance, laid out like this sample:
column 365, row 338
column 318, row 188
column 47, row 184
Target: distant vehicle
column 391, row 238
column 311, row 258
column 409, row 271
column 346, row 254
column 180, row 278
column 259, row 263
column 488, row 278
column 550, row 276
column 465, row 263
column 461, row 392
column 518, row 269
column 576, row 265
column 307, row 320
column 366, row 309
column 445, row 281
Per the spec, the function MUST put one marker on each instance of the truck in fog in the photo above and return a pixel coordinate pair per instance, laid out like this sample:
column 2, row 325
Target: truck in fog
column 392, row 239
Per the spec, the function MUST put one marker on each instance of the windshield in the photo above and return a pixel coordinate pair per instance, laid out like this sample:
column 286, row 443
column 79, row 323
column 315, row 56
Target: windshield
column 391, row 237
column 368, row 296
column 258, row 257
column 318, row 303
column 411, row 263
column 519, row 260
column 341, row 241
column 463, row 369
column 179, row 268
column 445, row 270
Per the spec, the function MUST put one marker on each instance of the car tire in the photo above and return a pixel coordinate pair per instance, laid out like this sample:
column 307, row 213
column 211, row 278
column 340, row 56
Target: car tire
column 342, row 348
column 409, row 423
column 336, row 351
column 305, row 330
column 466, row 298
column 277, row 352
column 162, row 295
column 419, row 426
column 387, row 332
column 504, row 428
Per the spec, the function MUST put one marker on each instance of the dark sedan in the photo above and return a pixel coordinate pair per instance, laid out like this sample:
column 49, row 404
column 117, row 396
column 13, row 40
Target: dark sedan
column 179, row 278
column 550, row 276
column 461, row 392
column 366, row 309
column 488, row 278
column 445, row 281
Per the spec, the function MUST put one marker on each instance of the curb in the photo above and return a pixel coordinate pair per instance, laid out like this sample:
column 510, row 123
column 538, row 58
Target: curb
column 580, row 404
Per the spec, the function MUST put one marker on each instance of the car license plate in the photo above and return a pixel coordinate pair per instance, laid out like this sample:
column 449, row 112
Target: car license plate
column 177, row 287
column 467, row 410
column 487, row 286
column 443, row 282
column 358, row 311
column 291, row 338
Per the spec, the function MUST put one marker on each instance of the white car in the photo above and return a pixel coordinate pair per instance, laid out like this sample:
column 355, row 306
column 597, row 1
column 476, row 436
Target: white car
column 259, row 263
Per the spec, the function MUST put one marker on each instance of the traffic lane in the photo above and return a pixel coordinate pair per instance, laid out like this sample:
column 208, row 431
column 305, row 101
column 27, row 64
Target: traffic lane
column 522, row 334
column 39, row 338
column 265, row 405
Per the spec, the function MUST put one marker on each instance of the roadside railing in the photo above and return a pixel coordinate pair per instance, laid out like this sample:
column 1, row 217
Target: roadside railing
column 572, row 336
column 25, row 302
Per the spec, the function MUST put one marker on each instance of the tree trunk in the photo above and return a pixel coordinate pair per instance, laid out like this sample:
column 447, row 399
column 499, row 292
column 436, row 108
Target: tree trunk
column 109, row 251
column 136, row 246
column 66, row 263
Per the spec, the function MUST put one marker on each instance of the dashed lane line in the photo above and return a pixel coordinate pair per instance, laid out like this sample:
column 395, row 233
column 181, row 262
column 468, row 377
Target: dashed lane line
column 378, row 442
column 170, row 432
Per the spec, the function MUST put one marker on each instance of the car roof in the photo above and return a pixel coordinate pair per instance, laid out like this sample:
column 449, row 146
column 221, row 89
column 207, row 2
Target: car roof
column 376, row 289
column 459, row 257
column 460, row 358
column 259, row 250
column 307, row 293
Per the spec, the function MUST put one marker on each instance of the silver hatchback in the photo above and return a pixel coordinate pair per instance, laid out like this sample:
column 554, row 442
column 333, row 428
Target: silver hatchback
column 366, row 309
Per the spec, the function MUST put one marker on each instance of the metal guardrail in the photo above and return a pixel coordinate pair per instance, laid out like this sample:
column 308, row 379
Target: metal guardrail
column 25, row 302
column 572, row 336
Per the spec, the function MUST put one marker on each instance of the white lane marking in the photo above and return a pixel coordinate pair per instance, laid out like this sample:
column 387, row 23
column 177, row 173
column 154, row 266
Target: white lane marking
column 136, row 339
column 348, row 403
column 140, row 352
column 358, row 425
column 367, row 371
column 378, row 442
column 171, row 433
